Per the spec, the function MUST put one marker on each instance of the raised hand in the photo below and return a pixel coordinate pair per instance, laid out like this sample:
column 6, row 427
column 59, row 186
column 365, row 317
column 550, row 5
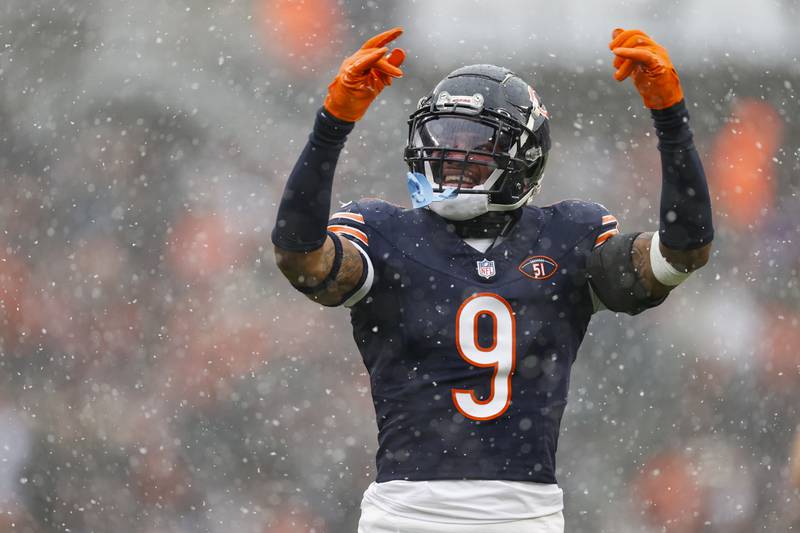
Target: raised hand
column 647, row 62
column 363, row 75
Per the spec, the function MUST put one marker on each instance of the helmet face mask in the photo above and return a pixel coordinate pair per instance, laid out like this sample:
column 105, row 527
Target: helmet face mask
column 481, row 131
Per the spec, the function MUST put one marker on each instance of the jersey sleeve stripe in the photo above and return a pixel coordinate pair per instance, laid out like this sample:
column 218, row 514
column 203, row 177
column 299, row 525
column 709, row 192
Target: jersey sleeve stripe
column 603, row 237
column 351, row 232
column 355, row 217
column 367, row 285
column 608, row 219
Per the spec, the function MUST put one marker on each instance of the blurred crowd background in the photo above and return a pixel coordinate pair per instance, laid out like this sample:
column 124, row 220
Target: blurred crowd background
column 158, row 375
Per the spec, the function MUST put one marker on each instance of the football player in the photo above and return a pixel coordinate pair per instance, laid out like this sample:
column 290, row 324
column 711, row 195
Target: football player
column 469, row 307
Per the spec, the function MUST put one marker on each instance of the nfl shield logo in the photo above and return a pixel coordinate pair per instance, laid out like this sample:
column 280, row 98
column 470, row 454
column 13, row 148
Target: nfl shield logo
column 486, row 268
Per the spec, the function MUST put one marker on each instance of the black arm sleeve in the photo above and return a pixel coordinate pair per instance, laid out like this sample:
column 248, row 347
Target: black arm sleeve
column 303, row 212
column 685, row 202
column 614, row 278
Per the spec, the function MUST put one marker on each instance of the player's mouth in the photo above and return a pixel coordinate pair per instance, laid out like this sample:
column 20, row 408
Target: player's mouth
column 454, row 181
column 454, row 176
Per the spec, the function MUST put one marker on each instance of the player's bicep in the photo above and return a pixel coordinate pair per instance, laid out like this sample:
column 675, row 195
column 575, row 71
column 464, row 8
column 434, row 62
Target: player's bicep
column 621, row 276
column 352, row 280
column 337, row 273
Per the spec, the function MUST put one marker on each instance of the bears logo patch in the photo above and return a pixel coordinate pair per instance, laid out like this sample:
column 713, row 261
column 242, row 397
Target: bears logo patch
column 538, row 267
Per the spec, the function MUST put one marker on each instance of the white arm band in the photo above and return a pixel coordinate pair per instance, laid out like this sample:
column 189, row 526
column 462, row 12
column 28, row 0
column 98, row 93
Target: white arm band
column 664, row 272
column 364, row 289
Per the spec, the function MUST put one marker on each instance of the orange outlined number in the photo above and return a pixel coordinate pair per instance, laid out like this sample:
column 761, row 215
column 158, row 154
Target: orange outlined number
column 501, row 354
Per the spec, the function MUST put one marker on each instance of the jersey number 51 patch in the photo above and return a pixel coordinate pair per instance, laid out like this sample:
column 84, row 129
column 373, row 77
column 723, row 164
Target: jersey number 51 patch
column 538, row 267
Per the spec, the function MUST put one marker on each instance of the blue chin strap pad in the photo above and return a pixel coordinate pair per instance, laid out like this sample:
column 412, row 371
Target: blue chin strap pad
column 422, row 193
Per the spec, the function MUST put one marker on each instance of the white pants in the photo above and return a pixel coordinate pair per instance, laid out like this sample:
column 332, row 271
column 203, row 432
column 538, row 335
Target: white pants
column 374, row 520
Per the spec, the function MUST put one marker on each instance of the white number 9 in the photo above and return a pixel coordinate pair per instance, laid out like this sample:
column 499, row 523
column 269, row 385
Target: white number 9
column 501, row 354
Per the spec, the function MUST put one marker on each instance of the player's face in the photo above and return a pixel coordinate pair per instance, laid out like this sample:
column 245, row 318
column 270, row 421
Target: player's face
column 462, row 137
column 457, row 170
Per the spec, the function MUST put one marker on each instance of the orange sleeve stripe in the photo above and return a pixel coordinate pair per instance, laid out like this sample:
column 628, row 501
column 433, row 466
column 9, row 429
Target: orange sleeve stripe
column 608, row 219
column 355, row 217
column 603, row 237
column 347, row 230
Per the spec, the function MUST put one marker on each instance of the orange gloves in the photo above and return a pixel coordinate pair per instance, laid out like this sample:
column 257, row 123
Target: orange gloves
column 653, row 73
column 363, row 76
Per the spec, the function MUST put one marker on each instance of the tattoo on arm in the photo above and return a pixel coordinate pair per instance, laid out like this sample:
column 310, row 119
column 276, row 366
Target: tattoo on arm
column 349, row 275
column 307, row 269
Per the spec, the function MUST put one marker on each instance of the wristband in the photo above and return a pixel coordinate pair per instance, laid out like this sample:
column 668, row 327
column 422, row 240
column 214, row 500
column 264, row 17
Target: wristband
column 663, row 271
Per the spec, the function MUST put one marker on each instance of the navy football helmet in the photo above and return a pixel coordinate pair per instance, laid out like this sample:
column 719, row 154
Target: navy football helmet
column 482, row 130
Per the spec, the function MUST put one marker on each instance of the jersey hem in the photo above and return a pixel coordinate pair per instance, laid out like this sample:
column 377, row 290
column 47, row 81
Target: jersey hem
column 550, row 480
column 433, row 510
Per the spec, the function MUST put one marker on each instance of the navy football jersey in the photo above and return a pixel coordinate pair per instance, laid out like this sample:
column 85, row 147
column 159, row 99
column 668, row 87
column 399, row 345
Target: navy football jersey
column 469, row 353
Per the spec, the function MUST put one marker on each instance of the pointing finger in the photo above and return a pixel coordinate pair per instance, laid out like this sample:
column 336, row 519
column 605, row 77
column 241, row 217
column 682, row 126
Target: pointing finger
column 382, row 39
